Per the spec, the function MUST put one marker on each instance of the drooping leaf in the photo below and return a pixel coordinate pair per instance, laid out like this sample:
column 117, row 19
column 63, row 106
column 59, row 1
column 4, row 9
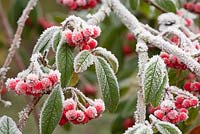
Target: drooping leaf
column 45, row 40
column 167, row 128
column 55, row 40
column 154, row 80
column 64, row 63
column 134, row 4
column 139, row 129
column 109, row 57
column 8, row 126
column 167, row 5
column 108, row 83
column 82, row 61
column 51, row 111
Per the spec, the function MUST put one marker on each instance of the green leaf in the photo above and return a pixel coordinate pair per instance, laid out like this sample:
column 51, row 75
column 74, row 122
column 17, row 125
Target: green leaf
column 167, row 128
column 64, row 63
column 82, row 61
column 108, row 83
column 55, row 40
column 45, row 40
column 139, row 129
column 117, row 125
column 8, row 126
column 134, row 4
column 112, row 60
column 51, row 111
column 167, row 5
column 155, row 80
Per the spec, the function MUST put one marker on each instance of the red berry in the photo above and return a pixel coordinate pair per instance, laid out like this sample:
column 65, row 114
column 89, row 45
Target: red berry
column 92, row 43
column 183, row 110
column 69, row 104
column 38, row 87
column 165, row 118
column 127, row 50
column 179, row 99
column 195, row 86
column 172, row 114
column 197, row 8
column 190, row 6
column 80, row 116
column 92, row 3
column 86, row 47
column 183, row 116
column 89, row 90
column 77, row 37
column 175, row 39
column 128, row 122
column 194, row 102
column 188, row 22
column 159, row 114
column 46, row 83
column 54, row 77
column 71, row 115
column 3, row 90
column 96, row 32
column 11, row 83
column 164, row 55
column 130, row 36
column 99, row 105
column 91, row 112
column 186, row 103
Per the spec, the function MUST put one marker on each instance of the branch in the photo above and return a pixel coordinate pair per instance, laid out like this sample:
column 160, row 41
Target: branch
column 17, row 38
column 100, row 15
column 134, row 26
column 141, row 49
column 24, row 115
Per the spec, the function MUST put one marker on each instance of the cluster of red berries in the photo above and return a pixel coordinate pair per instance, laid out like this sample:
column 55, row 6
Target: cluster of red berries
column 176, row 111
column 32, row 84
column 183, row 102
column 79, row 4
column 172, row 61
column 72, row 114
column 126, row 48
column 84, row 38
column 192, row 7
column 192, row 86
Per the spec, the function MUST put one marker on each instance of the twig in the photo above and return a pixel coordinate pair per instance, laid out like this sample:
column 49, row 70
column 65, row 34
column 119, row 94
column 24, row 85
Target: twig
column 24, row 115
column 131, row 22
column 17, row 38
column 141, row 49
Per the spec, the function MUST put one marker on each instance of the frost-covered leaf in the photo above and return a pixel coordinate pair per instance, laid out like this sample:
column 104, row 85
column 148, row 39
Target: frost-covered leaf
column 8, row 126
column 55, row 40
column 139, row 129
column 155, row 80
column 167, row 128
column 51, row 111
column 109, row 57
column 82, row 61
column 108, row 83
column 64, row 63
column 45, row 40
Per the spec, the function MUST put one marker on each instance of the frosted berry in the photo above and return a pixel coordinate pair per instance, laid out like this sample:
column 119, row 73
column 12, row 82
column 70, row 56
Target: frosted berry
column 187, row 86
column 69, row 104
column 54, row 76
column 186, row 103
column 172, row 114
column 11, row 83
column 71, row 115
column 99, row 105
column 92, row 43
column 46, row 83
column 80, row 116
column 159, row 114
column 194, row 102
column 91, row 112
column 183, row 116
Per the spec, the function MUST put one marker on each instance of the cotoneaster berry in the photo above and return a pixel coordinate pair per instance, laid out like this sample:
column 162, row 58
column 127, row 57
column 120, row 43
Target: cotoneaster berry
column 72, row 113
column 79, row 4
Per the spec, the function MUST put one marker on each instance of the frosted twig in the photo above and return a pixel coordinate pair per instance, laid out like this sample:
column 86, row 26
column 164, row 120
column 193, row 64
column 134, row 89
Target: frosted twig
column 141, row 49
column 24, row 114
column 100, row 15
column 131, row 22
column 17, row 38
